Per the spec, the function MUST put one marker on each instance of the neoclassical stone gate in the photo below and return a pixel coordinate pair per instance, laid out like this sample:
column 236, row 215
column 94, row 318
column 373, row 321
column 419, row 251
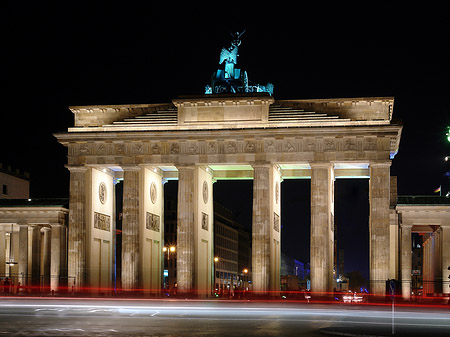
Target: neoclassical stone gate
column 198, row 140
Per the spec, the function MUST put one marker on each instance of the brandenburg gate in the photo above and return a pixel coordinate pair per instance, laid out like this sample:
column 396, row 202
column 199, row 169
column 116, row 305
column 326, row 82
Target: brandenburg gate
column 198, row 140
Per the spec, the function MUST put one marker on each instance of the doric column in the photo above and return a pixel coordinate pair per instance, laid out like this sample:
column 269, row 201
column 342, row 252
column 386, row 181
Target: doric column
column 195, row 230
column 445, row 261
column 2, row 251
column 406, row 260
column 266, row 227
column 185, row 228
column 57, row 258
column 261, row 229
column 77, row 228
column 379, row 196
column 46, row 257
column 23, row 254
column 438, row 261
column 35, row 258
column 426, row 278
column 130, row 228
column 322, row 226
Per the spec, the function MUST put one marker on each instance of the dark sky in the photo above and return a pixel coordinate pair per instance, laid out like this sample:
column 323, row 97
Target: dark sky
column 118, row 53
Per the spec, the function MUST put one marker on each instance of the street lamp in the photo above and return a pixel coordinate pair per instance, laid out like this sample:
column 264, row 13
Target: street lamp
column 11, row 261
column 169, row 250
column 216, row 259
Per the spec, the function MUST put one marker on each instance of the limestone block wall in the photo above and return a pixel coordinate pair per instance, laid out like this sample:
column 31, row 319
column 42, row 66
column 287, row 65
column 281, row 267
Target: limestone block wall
column 100, row 231
column 151, row 229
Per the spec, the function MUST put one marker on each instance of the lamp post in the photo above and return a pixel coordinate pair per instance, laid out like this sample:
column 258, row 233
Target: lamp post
column 216, row 259
column 168, row 250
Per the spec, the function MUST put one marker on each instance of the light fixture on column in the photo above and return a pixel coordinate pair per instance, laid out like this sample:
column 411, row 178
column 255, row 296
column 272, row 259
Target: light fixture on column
column 11, row 261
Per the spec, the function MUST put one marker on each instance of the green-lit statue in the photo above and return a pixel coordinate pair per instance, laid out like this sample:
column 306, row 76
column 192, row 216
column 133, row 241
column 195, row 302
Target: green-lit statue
column 228, row 78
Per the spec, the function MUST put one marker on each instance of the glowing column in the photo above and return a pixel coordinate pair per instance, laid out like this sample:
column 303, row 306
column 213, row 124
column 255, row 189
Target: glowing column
column 23, row 254
column 77, row 228
column 406, row 260
column 2, row 251
column 379, row 196
column 130, row 229
column 445, row 262
column 322, row 226
column 58, row 266
column 266, row 226
column 195, row 230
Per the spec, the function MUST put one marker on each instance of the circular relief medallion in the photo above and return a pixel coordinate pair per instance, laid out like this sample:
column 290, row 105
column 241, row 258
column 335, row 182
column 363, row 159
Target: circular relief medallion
column 153, row 192
column 102, row 193
column 277, row 192
column 205, row 192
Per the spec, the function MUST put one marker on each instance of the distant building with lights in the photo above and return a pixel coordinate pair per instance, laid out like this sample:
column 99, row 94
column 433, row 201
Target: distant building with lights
column 14, row 184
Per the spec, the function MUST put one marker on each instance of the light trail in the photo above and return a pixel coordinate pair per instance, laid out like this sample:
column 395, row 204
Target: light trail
column 122, row 315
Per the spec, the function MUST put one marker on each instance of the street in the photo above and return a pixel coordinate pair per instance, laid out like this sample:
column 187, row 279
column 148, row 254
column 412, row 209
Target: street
column 143, row 317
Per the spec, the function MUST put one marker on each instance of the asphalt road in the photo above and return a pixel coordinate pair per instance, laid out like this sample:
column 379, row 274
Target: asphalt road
column 112, row 317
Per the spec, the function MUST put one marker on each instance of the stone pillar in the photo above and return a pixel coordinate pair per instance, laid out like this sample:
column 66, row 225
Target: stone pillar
column 185, row 229
column 2, row 251
column 261, row 229
column 35, row 258
column 195, row 230
column 23, row 254
column 406, row 260
column 322, row 227
column 379, row 196
column 45, row 265
column 266, row 226
column 445, row 261
column 56, row 257
column 77, row 228
column 426, row 278
column 437, row 253
column 130, row 229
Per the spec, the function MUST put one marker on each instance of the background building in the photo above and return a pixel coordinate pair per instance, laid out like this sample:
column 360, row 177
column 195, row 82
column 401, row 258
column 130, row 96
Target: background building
column 14, row 184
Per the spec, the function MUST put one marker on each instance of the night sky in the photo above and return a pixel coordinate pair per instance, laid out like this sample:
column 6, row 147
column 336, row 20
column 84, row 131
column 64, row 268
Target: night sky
column 57, row 57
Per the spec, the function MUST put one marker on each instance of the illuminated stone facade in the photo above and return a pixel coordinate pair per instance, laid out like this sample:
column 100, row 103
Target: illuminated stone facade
column 33, row 245
column 198, row 140
column 429, row 217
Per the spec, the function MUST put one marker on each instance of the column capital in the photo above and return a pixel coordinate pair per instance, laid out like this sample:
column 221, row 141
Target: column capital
column 321, row 164
column 72, row 168
column 186, row 166
column 381, row 163
column 131, row 168
column 406, row 226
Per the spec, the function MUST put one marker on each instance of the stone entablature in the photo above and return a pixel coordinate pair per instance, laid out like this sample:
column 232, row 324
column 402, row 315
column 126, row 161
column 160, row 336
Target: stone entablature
column 281, row 146
column 235, row 129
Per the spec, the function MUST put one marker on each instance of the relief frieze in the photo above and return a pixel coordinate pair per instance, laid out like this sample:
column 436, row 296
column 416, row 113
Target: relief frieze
column 250, row 147
column 119, row 149
column 211, row 147
column 329, row 144
column 289, row 145
column 102, row 221
column 155, row 149
column 174, row 148
column 152, row 221
column 269, row 146
column 370, row 144
column 231, row 147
